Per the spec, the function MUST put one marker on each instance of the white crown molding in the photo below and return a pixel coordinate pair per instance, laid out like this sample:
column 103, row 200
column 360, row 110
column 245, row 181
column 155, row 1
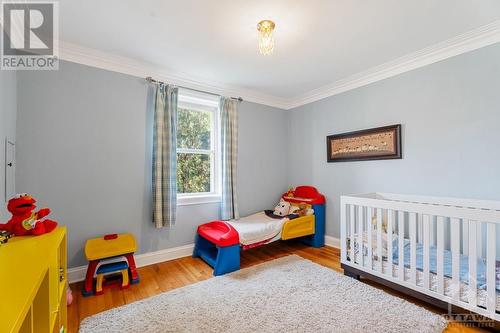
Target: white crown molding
column 112, row 62
column 469, row 41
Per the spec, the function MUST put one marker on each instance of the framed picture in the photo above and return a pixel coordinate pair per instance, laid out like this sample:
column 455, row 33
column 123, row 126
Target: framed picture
column 379, row 143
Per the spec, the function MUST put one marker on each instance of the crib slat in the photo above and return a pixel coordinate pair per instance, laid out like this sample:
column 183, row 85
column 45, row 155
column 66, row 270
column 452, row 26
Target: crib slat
column 352, row 220
column 472, row 294
column 401, row 236
column 480, row 240
column 420, row 229
column 490, row 267
column 465, row 237
column 379, row 239
column 433, row 231
column 440, row 254
column 413, row 248
column 360, row 235
column 369, row 214
column 343, row 226
column 455, row 257
column 426, row 241
column 390, row 221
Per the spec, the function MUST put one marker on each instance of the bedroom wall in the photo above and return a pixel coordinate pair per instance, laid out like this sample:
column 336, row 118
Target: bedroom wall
column 450, row 112
column 7, row 128
column 84, row 150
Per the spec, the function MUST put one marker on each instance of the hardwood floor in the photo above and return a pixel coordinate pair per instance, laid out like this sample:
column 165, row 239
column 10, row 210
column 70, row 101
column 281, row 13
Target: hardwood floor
column 173, row 274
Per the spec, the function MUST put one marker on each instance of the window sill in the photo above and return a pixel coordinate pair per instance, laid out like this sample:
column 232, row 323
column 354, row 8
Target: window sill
column 197, row 199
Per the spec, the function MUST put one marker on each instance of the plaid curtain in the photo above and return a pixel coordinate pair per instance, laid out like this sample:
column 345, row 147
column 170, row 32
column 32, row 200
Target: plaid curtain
column 229, row 151
column 165, row 156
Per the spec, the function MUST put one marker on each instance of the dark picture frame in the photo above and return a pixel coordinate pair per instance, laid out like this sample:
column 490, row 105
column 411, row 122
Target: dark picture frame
column 380, row 143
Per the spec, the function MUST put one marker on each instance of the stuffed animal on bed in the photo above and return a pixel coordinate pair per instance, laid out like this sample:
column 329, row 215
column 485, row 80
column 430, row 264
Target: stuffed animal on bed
column 301, row 210
column 282, row 208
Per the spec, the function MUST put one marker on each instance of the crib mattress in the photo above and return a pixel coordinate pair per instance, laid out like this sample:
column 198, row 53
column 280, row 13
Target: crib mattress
column 447, row 263
column 448, row 287
column 258, row 228
column 447, row 267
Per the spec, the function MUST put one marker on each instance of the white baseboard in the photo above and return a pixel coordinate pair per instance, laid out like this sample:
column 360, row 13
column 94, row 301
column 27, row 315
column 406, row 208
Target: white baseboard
column 77, row 274
column 332, row 241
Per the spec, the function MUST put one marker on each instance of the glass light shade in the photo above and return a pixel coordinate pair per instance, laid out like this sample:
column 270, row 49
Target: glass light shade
column 266, row 38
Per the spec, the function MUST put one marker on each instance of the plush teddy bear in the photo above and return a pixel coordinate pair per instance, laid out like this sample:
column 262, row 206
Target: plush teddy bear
column 25, row 221
column 302, row 210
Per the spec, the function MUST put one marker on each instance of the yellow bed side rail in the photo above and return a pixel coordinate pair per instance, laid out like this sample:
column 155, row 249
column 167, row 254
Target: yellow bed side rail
column 301, row 226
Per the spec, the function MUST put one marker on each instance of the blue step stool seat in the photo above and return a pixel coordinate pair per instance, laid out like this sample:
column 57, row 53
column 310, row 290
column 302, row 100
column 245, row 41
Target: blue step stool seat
column 218, row 244
column 112, row 267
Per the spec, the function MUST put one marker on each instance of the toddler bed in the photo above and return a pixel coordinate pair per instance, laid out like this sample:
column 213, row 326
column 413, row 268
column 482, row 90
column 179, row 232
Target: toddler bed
column 441, row 250
column 299, row 215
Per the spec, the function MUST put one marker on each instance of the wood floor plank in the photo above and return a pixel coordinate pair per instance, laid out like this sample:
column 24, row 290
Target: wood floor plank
column 177, row 273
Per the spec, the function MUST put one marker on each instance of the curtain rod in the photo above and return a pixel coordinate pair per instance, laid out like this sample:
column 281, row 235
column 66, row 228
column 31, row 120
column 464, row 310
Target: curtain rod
column 151, row 80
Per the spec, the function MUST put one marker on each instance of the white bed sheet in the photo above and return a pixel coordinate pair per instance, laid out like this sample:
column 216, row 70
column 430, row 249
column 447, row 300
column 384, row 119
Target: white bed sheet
column 258, row 228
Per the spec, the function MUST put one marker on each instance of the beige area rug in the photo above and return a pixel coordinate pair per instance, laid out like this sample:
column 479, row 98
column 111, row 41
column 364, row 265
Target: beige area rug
column 289, row 294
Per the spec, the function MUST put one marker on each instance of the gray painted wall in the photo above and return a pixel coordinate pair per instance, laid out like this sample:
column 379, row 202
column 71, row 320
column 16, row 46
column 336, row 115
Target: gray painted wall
column 450, row 112
column 7, row 128
column 84, row 150
column 83, row 147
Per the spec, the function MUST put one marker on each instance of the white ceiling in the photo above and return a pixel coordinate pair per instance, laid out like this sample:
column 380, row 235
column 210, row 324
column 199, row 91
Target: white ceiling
column 317, row 41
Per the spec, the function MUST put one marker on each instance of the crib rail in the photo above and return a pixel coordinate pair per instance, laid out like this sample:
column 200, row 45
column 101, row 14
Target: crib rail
column 445, row 248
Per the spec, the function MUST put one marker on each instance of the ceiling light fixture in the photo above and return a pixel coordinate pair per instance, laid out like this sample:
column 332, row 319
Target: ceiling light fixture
column 266, row 38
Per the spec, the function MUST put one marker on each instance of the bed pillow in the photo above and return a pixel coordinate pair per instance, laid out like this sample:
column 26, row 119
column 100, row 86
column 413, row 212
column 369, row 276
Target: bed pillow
column 282, row 208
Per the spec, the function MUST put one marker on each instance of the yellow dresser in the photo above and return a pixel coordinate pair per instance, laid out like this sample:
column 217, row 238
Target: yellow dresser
column 33, row 283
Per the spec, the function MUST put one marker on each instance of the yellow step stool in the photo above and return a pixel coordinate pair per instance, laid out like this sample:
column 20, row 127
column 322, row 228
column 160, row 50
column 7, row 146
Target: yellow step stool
column 111, row 268
column 109, row 246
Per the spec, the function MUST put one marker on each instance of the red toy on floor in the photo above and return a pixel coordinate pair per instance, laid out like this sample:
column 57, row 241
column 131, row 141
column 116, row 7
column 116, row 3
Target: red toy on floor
column 25, row 221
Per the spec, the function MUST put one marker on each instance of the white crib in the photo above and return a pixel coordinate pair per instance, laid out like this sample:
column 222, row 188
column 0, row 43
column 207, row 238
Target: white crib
column 442, row 248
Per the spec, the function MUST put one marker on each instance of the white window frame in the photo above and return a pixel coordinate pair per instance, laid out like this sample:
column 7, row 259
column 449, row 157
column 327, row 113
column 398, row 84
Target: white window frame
column 204, row 103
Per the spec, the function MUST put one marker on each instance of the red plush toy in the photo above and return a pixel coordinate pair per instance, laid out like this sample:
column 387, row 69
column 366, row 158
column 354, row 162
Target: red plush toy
column 25, row 221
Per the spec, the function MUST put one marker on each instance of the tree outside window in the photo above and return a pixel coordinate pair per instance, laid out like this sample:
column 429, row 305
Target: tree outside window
column 196, row 147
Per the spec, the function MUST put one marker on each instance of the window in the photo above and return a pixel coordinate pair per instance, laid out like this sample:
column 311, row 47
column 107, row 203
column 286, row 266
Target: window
column 197, row 148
